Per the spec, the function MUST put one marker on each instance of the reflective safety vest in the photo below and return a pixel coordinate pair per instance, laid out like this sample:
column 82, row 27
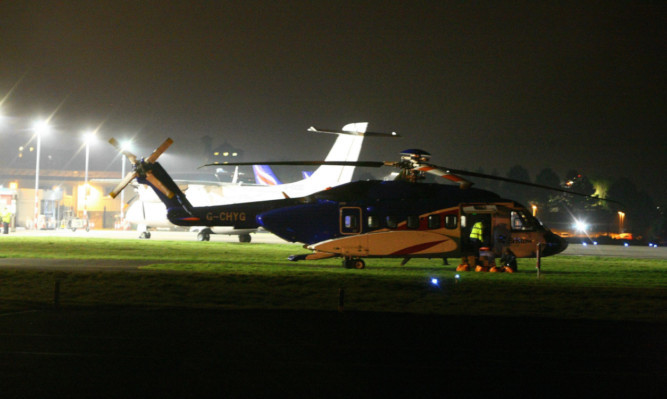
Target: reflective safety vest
column 476, row 232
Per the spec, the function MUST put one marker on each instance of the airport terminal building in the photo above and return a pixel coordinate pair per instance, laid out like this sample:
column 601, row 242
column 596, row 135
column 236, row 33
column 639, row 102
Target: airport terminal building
column 62, row 197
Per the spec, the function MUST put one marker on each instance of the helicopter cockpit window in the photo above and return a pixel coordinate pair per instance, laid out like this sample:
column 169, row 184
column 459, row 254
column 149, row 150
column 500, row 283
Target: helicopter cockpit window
column 434, row 221
column 373, row 222
column 520, row 221
column 391, row 222
column 451, row 221
column 412, row 222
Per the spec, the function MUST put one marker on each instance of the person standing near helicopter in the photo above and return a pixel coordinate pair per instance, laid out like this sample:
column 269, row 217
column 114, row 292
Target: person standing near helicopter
column 6, row 216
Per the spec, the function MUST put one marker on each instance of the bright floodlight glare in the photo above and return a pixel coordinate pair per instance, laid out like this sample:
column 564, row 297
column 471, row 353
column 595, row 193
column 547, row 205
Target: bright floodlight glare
column 41, row 127
column 126, row 145
column 580, row 226
column 89, row 137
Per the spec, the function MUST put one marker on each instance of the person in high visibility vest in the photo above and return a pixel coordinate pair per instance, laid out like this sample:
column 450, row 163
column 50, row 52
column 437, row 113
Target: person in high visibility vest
column 477, row 232
column 477, row 236
column 6, row 219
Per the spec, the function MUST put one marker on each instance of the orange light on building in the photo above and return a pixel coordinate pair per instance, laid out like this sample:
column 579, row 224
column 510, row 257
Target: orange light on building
column 14, row 185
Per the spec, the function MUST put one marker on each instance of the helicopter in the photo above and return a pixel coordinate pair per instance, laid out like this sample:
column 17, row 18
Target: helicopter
column 402, row 218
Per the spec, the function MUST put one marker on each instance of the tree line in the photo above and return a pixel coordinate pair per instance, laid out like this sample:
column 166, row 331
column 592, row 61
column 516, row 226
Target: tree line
column 642, row 217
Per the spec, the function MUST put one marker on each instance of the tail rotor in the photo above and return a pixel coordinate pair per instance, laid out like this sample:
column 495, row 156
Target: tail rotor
column 142, row 168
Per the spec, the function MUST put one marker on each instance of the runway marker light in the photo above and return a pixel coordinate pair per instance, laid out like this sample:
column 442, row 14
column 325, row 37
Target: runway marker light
column 626, row 244
column 434, row 281
column 584, row 244
column 595, row 243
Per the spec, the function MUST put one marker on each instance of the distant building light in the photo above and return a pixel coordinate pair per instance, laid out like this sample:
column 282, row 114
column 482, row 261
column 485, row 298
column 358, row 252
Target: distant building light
column 225, row 154
column 234, row 154
column 215, row 154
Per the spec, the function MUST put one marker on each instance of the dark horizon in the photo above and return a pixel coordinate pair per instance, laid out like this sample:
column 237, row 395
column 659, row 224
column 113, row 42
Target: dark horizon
column 565, row 86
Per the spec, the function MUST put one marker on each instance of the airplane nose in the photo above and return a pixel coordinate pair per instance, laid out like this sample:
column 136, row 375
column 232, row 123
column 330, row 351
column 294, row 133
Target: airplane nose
column 554, row 244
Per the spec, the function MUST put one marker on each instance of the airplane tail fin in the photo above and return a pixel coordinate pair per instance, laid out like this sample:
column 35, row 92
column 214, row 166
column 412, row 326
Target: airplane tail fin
column 346, row 148
column 264, row 175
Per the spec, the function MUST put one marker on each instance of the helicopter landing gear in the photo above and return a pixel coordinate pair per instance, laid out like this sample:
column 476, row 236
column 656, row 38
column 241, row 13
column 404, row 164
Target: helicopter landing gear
column 245, row 238
column 353, row 263
column 204, row 235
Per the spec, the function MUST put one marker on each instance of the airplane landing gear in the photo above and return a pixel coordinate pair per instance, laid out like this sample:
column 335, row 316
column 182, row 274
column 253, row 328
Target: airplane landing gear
column 145, row 235
column 245, row 238
column 204, row 235
column 353, row 263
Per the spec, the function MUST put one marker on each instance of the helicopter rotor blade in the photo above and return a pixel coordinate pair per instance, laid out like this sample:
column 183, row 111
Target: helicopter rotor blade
column 158, row 184
column 514, row 181
column 158, row 151
column 131, row 157
column 446, row 174
column 123, row 183
column 368, row 164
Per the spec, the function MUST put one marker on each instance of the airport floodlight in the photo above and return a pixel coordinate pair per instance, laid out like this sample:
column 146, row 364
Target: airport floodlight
column 41, row 127
column 89, row 137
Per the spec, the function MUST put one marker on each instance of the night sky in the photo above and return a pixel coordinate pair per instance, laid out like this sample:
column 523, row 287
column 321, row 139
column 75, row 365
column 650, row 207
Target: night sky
column 487, row 85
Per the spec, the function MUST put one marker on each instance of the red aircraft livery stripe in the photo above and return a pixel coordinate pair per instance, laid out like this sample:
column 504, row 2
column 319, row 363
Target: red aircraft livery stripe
column 417, row 248
column 191, row 219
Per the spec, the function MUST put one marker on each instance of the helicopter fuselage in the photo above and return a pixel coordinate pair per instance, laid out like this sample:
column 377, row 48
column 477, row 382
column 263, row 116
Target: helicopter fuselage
column 388, row 219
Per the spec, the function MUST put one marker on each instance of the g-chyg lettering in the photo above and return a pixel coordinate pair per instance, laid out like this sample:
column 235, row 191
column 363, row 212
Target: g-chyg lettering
column 227, row 216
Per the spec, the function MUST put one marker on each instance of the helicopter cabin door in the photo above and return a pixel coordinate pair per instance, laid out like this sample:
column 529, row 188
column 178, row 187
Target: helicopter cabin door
column 470, row 215
column 350, row 220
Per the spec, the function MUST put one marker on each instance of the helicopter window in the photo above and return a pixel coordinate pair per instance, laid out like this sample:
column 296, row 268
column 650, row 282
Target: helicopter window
column 350, row 222
column 520, row 221
column 434, row 221
column 412, row 222
column 451, row 221
column 373, row 222
column 391, row 222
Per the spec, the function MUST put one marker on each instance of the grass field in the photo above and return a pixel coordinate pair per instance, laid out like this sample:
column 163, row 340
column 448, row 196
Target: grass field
column 258, row 276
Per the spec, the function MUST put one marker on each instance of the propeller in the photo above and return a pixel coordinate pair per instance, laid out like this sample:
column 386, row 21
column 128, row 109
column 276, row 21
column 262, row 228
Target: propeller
column 142, row 168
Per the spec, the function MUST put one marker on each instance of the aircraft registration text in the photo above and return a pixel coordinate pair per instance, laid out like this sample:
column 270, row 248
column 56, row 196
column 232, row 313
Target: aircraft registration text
column 227, row 216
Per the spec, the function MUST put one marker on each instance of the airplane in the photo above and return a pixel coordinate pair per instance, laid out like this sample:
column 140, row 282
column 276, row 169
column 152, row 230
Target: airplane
column 149, row 211
column 403, row 218
column 265, row 176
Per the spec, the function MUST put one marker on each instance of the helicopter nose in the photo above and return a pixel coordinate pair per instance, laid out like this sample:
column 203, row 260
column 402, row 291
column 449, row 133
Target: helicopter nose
column 554, row 244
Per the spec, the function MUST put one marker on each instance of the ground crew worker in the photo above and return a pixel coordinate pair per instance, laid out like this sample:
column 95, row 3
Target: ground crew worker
column 477, row 235
column 6, row 219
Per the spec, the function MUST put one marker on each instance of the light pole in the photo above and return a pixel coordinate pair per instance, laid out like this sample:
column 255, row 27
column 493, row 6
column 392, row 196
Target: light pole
column 88, row 138
column 125, row 145
column 40, row 128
